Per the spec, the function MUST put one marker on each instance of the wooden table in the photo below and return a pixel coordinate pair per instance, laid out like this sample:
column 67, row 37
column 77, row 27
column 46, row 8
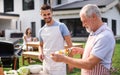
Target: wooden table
column 30, row 54
column 75, row 45
column 33, row 44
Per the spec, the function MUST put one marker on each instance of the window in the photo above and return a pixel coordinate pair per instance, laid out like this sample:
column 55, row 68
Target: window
column 28, row 4
column 46, row 1
column 114, row 26
column 33, row 26
column 75, row 27
column 104, row 20
column 8, row 5
column 58, row 1
column 42, row 23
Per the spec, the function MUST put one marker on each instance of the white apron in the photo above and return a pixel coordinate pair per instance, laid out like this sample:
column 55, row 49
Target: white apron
column 53, row 41
column 99, row 68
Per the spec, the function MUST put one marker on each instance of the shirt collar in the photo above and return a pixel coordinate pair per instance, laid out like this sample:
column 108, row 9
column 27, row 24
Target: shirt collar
column 99, row 30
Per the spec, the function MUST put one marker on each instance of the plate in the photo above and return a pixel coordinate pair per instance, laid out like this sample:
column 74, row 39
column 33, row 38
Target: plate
column 35, row 68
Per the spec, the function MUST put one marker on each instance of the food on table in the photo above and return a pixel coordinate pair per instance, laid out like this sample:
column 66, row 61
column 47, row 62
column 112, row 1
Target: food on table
column 64, row 51
column 23, row 71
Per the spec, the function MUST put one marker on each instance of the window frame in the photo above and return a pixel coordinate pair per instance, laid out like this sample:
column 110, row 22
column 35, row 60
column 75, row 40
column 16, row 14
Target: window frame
column 27, row 7
column 8, row 5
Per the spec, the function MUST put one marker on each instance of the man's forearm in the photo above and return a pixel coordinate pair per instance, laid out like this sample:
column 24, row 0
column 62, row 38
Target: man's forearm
column 68, row 41
column 40, row 50
column 78, row 63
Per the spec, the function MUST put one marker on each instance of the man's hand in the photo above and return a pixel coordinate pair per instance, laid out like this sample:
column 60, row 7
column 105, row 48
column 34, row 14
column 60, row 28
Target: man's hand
column 76, row 50
column 57, row 57
column 41, row 57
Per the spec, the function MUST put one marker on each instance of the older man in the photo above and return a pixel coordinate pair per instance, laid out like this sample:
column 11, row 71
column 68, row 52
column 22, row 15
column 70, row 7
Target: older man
column 97, row 55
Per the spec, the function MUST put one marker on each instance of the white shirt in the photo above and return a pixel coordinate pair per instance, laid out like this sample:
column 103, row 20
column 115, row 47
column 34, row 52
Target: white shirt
column 104, row 45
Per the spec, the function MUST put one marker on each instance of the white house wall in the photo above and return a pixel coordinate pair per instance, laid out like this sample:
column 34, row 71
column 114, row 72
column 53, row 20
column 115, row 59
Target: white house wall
column 5, row 24
column 1, row 6
column 114, row 14
column 28, row 16
column 64, row 1
column 118, row 27
column 17, row 6
column 73, row 0
column 66, row 16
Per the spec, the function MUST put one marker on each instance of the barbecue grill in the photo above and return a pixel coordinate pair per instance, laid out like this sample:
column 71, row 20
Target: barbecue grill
column 7, row 54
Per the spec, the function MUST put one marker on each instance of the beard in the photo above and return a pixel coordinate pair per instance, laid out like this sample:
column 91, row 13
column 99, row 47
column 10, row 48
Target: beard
column 88, row 30
column 48, row 20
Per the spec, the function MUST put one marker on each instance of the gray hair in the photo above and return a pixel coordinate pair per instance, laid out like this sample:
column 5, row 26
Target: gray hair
column 89, row 9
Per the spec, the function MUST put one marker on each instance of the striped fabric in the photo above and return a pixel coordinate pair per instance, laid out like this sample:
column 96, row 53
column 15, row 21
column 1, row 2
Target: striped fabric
column 99, row 68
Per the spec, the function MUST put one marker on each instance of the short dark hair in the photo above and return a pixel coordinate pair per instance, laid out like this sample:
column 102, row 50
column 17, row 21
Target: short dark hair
column 46, row 7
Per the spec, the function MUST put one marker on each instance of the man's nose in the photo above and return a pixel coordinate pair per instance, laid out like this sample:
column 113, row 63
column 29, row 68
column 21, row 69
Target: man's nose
column 47, row 16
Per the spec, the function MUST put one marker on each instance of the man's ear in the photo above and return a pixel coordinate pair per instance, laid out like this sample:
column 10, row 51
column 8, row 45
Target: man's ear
column 41, row 15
